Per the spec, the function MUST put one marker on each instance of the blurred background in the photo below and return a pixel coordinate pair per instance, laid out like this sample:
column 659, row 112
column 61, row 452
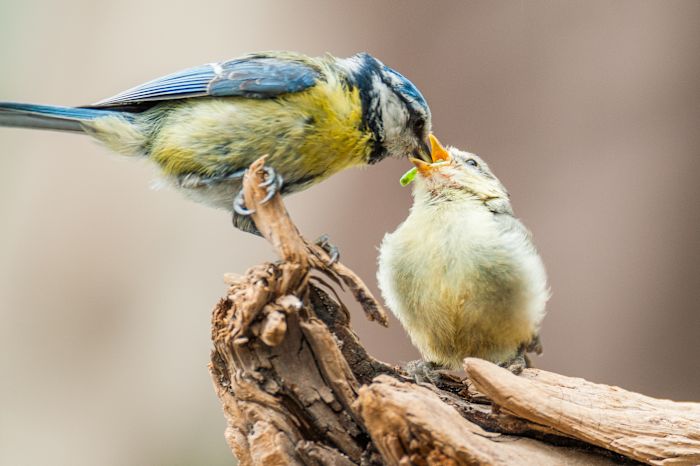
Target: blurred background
column 588, row 111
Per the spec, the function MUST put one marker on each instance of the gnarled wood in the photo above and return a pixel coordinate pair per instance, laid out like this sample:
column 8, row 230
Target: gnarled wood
column 286, row 388
column 409, row 424
column 640, row 427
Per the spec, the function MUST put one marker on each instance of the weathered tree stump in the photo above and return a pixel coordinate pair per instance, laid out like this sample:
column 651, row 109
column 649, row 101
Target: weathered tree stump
column 297, row 387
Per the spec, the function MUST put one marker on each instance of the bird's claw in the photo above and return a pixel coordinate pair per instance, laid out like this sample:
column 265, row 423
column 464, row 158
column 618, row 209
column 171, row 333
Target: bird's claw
column 422, row 371
column 269, row 176
column 273, row 182
column 429, row 372
column 517, row 363
column 535, row 345
column 239, row 205
column 333, row 252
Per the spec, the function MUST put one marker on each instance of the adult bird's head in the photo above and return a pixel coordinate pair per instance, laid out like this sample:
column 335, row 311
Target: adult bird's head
column 392, row 108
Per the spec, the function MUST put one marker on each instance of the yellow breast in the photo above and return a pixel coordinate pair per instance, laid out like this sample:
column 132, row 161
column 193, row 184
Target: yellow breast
column 308, row 135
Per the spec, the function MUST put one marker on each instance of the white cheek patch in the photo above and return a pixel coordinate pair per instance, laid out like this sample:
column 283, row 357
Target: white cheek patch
column 394, row 115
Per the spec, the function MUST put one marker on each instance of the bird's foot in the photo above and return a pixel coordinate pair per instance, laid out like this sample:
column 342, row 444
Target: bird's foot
column 239, row 206
column 517, row 363
column 535, row 345
column 241, row 217
column 423, row 371
column 273, row 182
column 429, row 372
column 324, row 243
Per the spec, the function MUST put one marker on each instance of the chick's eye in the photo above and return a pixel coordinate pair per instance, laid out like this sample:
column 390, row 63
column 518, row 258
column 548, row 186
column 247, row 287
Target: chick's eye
column 472, row 162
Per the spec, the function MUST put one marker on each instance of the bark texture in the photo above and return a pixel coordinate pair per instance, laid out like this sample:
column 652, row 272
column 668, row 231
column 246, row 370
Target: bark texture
column 297, row 387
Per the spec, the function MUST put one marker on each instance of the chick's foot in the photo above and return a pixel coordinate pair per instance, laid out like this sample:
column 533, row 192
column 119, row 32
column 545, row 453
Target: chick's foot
column 517, row 363
column 424, row 371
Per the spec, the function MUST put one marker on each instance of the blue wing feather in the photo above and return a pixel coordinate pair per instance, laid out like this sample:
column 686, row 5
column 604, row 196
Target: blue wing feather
column 255, row 77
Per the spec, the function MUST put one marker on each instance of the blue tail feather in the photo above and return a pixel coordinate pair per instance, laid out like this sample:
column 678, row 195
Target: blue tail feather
column 48, row 116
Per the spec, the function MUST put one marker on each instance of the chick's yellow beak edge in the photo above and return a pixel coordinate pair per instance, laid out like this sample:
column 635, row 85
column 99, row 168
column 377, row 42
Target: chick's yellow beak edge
column 424, row 168
column 437, row 151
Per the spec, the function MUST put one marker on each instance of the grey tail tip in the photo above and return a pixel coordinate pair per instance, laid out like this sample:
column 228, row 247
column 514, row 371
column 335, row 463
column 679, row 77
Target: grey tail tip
column 51, row 117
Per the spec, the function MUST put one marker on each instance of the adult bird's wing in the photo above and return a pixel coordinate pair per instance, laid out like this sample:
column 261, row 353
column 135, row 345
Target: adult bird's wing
column 255, row 76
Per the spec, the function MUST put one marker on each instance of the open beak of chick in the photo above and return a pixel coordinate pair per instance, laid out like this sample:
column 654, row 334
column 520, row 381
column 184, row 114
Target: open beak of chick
column 438, row 154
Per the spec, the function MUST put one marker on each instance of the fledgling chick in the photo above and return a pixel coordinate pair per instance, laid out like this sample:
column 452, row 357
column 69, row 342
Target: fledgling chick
column 461, row 272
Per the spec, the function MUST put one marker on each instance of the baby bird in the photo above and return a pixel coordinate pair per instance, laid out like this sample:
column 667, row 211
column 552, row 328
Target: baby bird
column 461, row 272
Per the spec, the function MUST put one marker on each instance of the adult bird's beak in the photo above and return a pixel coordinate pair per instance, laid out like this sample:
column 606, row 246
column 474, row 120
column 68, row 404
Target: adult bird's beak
column 423, row 151
column 437, row 154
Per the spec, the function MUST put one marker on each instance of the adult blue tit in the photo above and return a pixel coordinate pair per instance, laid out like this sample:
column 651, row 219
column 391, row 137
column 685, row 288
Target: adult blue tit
column 204, row 125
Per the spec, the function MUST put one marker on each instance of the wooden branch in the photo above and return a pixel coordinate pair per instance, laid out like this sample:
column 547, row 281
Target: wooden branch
column 297, row 386
column 410, row 422
column 275, row 225
column 286, row 388
column 640, row 427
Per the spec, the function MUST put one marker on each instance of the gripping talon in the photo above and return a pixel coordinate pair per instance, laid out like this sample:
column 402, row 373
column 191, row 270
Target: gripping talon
column 517, row 363
column 270, row 176
column 239, row 206
column 271, row 191
column 335, row 255
column 333, row 252
column 280, row 182
column 273, row 183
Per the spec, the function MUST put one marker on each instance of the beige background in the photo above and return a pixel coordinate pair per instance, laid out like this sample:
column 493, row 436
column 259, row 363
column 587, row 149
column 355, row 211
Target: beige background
column 587, row 111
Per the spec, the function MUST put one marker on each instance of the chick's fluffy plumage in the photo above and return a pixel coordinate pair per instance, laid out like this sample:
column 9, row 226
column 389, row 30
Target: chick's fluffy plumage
column 461, row 272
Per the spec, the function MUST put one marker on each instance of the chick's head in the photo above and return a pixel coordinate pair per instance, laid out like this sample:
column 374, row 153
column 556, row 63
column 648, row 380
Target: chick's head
column 455, row 174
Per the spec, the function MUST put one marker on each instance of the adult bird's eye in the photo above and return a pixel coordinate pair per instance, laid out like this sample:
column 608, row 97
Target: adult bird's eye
column 472, row 162
column 418, row 126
